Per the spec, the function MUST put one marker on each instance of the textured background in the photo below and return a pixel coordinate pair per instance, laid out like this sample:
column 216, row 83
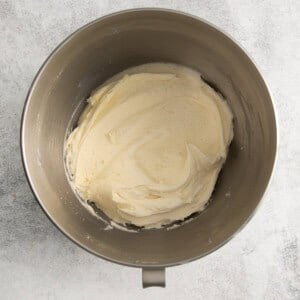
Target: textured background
column 38, row 262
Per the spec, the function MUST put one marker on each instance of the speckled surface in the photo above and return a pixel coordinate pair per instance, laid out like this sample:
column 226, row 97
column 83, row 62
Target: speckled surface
column 38, row 262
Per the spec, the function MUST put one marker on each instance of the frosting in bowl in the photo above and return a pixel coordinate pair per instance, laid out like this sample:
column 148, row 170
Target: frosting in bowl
column 150, row 144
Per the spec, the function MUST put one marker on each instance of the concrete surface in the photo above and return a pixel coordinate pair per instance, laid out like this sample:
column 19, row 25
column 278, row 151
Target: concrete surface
column 38, row 262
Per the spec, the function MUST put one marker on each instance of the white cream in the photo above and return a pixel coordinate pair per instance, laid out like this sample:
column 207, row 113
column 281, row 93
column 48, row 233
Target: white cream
column 150, row 144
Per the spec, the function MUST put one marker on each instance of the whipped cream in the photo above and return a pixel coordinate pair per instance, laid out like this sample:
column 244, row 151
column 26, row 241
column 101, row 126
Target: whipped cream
column 150, row 144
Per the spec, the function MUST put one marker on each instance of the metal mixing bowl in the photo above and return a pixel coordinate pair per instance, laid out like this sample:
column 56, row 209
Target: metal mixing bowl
column 107, row 46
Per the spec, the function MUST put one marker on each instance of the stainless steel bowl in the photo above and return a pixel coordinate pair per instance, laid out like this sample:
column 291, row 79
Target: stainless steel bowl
column 101, row 49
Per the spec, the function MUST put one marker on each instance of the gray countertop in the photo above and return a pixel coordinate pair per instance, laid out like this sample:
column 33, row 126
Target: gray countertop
column 39, row 262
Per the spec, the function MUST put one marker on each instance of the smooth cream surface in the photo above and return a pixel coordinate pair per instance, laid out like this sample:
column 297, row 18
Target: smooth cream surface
column 150, row 144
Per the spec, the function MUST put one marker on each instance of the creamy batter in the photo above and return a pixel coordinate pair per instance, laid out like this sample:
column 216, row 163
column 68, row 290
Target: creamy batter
column 150, row 144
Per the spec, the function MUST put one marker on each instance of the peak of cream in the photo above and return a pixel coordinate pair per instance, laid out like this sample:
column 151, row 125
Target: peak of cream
column 150, row 144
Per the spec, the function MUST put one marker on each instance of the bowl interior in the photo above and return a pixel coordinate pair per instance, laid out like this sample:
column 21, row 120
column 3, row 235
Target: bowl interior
column 110, row 45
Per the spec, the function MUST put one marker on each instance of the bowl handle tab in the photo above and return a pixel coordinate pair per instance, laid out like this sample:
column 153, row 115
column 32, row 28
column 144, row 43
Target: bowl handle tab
column 153, row 277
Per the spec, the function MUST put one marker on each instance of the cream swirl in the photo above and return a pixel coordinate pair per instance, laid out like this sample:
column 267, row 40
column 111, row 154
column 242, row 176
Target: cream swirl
column 150, row 144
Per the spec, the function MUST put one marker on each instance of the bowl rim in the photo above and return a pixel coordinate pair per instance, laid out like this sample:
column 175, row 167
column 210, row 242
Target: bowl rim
column 34, row 83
